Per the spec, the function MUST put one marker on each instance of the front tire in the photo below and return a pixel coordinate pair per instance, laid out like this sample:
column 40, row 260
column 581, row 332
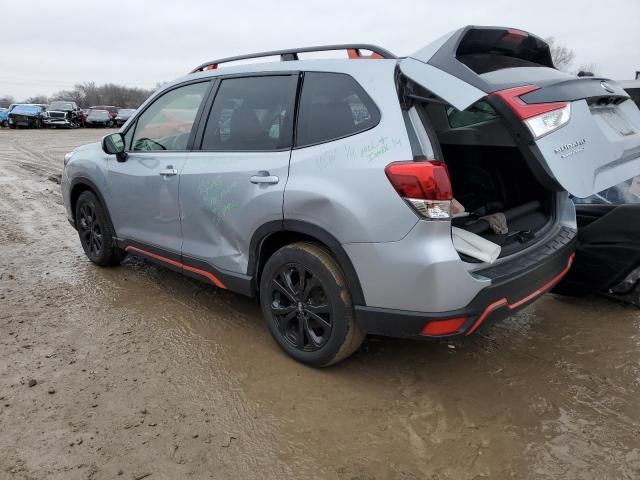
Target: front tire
column 95, row 232
column 307, row 305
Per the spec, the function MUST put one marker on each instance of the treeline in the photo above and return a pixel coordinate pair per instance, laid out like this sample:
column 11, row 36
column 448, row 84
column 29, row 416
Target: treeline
column 88, row 94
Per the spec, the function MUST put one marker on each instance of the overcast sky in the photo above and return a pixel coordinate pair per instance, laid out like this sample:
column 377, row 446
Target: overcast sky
column 51, row 45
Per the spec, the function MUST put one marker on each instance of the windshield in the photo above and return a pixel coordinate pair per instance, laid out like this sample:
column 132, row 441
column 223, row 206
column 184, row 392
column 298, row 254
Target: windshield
column 26, row 109
column 125, row 111
column 61, row 106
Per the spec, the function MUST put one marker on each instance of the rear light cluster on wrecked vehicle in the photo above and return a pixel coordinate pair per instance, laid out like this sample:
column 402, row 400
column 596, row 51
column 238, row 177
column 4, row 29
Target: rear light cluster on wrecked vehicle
column 424, row 185
column 540, row 118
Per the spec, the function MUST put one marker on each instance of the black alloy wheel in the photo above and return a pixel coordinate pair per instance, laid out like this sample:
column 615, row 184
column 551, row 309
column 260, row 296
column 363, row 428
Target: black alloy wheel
column 90, row 229
column 300, row 308
column 95, row 231
column 307, row 305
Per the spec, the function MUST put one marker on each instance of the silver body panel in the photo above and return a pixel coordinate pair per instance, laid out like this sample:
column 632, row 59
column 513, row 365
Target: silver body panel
column 222, row 209
column 210, row 210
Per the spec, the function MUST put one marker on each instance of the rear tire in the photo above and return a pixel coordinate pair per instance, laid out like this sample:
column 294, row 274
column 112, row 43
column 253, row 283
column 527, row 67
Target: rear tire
column 307, row 305
column 95, row 232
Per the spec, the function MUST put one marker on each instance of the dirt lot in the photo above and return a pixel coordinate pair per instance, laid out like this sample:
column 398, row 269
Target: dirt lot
column 139, row 371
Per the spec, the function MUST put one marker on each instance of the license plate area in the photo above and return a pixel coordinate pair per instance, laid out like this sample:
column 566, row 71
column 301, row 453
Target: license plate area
column 612, row 118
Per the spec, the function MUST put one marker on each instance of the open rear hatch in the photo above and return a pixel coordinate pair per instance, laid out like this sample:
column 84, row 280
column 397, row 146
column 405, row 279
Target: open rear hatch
column 581, row 135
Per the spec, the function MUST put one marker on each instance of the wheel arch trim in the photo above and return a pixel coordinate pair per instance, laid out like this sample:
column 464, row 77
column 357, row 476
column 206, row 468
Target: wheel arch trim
column 319, row 234
column 85, row 182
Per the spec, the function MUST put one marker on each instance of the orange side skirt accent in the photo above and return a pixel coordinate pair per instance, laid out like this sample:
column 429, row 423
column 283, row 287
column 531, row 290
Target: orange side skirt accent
column 204, row 273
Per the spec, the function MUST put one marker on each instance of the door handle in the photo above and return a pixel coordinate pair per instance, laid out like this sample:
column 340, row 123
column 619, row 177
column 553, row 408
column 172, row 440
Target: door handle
column 264, row 177
column 169, row 171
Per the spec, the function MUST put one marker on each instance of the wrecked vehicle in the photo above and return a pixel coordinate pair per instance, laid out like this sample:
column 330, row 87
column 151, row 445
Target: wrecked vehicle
column 608, row 251
column 27, row 115
column 63, row 114
column 414, row 197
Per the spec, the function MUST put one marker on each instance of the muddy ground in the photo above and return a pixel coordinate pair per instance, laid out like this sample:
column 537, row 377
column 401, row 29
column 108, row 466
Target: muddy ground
column 139, row 371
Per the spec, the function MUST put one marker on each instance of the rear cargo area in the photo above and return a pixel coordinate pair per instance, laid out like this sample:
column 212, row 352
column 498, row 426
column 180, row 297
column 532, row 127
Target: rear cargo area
column 502, row 200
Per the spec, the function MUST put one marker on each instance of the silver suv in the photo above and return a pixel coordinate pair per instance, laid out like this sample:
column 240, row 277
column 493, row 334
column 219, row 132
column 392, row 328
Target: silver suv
column 326, row 188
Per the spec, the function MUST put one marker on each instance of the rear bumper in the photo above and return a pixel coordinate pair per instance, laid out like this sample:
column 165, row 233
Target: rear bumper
column 507, row 293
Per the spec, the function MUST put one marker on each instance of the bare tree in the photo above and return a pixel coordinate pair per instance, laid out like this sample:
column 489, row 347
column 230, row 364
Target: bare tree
column 561, row 55
column 588, row 67
column 6, row 101
column 37, row 99
column 89, row 94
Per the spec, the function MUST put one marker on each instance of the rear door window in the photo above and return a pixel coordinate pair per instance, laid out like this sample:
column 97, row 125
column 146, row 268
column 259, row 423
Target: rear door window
column 252, row 114
column 332, row 106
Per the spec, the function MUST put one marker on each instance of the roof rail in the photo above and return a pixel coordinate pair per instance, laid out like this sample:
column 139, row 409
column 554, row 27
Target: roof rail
column 353, row 52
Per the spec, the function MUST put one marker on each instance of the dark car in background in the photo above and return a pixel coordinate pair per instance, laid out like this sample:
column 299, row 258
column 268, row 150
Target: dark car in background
column 123, row 115
column 113, row 111
column 62, row 114
column 27, row 115
column 632, row 87
column 99, row 118
column 608, row 253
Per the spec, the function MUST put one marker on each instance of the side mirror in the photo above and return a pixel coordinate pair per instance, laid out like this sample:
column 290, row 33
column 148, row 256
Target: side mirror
column 114, row 145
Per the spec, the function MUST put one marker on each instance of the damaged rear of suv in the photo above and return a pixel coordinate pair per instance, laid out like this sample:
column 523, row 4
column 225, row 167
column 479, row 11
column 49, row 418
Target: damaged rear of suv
column 414, row 197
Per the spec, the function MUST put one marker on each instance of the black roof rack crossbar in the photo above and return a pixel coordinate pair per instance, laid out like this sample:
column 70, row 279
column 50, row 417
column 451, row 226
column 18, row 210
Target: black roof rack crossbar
column 353, row 51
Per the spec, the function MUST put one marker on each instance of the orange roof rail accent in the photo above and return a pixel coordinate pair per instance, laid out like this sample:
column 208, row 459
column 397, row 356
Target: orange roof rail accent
column 354, row 54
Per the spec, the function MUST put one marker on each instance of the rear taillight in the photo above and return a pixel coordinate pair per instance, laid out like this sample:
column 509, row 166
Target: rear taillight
column 540, row 118
column 424, row 185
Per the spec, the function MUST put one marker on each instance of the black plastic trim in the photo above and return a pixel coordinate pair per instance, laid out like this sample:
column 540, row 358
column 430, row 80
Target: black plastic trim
column 235, row 282
column 576, row 89
column 311, row 230
column 92, row 186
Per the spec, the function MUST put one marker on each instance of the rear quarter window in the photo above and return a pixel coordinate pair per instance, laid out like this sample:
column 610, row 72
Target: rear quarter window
column 332, row 106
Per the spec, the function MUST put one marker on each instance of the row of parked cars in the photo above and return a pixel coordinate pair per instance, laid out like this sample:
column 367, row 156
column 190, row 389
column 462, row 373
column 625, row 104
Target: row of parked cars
column 63, row 114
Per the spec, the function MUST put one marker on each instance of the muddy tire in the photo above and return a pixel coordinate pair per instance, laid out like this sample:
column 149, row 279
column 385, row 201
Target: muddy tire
column 307, row 305
column 95, row 232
